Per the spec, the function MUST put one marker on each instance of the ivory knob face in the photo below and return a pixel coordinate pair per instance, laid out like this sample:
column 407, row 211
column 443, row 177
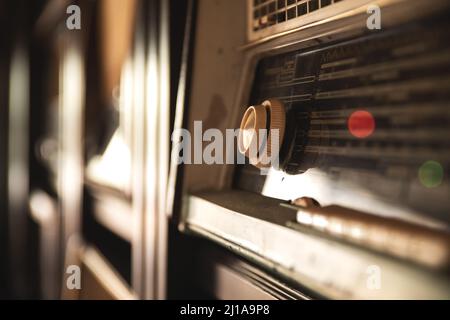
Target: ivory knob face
column 257, row 131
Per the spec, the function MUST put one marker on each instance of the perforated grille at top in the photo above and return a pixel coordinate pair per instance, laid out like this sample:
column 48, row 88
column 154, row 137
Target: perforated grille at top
column 267, row 13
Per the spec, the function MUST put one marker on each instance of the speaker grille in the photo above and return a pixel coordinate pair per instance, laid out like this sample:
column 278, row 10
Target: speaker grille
column 267, row 13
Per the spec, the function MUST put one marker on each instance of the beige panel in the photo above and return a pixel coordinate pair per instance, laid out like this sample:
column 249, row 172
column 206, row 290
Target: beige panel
column 217, row 70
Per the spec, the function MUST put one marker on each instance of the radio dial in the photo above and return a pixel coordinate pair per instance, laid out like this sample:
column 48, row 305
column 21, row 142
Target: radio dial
column 269, row 115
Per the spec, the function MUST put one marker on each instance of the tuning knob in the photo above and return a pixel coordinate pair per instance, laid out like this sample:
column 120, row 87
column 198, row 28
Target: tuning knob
column 270, row 115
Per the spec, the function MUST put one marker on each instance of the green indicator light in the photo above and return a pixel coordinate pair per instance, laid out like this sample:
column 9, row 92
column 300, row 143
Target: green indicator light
column 431, row 174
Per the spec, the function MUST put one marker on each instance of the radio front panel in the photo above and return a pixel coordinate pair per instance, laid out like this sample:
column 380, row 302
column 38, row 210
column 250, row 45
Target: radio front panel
column 368, row 121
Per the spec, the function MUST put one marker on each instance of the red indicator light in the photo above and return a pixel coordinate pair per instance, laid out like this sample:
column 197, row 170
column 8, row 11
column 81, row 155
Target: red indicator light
column 361, row 124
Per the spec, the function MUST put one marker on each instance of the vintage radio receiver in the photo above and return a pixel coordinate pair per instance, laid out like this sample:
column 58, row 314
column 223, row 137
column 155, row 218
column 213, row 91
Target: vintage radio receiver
column 359, row 92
